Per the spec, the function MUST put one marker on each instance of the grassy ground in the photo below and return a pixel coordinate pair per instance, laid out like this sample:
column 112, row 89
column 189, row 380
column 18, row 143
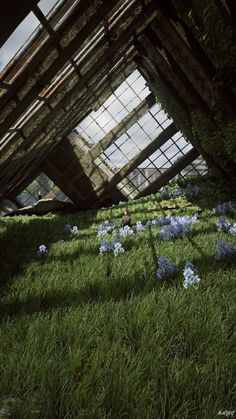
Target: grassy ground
column 89, row 336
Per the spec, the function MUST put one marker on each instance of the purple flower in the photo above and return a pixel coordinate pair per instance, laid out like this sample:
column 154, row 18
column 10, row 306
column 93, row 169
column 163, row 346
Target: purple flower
column 178, row 227
column 224, row 250
column 105, row 228
column 125, row 231
column 105, row 247
column 166, row 267
column 223, row 225
column 225, row 208
column 139, row 227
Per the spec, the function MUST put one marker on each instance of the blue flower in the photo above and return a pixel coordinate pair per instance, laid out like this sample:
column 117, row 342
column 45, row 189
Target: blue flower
column 223, row 225
column 139, row 227
column 191, row 191
column 105, row 228
column 125, row 231
column 176, row 192
column 102, row 233
column 161, row 221
column 67, row 228
column 190, row 275
column 178, row 227
column 105, row 247
column 168, row 193
column 225, row 208
column 42, row 250
column 224, row 250
column 232, row 229
column 165, row 193
column 166, row 267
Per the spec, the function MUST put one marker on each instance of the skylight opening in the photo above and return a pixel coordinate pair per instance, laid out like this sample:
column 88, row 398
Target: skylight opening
column 137, row 137
column 156, row 164
column 19, row 40
column 47, row 7
column 124, row 99
column 118, row 15
column 197, row 168
column 45, row 186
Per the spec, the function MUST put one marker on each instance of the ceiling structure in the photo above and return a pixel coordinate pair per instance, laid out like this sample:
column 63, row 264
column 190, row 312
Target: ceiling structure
column 78, row 101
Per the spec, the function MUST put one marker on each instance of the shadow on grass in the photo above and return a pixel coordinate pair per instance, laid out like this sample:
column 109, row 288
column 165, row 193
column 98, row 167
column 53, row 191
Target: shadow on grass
column 92, row 292
column 19, row 243
column 214, row 191
column 111, row 290
column 20, row 240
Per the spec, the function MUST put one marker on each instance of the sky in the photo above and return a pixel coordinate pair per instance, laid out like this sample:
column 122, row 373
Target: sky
column 128, row 95
column 22, row 33
column 96, row 125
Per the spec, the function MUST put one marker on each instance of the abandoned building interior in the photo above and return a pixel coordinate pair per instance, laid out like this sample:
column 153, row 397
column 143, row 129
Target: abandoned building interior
column 105, row 101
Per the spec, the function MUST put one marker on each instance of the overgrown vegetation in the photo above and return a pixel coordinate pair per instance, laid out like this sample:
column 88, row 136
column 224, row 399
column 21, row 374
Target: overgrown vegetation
column 211, row 127
column 90, row 336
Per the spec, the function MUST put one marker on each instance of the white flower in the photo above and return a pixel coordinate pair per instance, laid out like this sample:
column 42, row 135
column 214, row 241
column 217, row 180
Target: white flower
column 74, row 230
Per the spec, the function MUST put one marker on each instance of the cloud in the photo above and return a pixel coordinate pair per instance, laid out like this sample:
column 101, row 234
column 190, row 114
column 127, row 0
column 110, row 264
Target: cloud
column 22, row 33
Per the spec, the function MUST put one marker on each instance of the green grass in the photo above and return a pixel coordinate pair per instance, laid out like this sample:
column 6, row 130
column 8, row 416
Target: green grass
column 89, row 336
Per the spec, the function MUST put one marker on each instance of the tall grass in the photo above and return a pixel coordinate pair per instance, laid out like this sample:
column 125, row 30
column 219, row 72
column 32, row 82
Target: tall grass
column 90, row 336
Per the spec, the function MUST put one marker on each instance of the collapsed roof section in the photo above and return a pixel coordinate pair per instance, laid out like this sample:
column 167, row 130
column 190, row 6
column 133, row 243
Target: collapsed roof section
column 78, row 101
